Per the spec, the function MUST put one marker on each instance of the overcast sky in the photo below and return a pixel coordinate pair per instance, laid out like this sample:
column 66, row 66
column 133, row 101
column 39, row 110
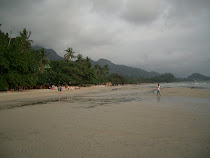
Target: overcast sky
column 155, row 35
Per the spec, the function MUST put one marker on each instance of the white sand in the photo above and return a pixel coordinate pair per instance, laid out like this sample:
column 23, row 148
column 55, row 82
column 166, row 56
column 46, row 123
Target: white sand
column 114, row 127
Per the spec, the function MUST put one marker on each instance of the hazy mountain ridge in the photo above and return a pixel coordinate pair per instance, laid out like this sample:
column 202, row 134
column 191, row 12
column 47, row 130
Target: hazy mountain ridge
column 198, row 77
column 113, row 68
column 125, row 70
column 122, row 69
column 52, row 54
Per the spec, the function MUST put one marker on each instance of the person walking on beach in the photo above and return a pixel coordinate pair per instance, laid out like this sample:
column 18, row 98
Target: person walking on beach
column 158, row 89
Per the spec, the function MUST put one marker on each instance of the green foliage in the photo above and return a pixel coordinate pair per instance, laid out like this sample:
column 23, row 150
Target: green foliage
column 69, row 55
column 75, row 73
column 117, row 79
column 41, row 56
column 18, row 64
column 167, row 77
column 79, row 72
column 4, row 63
column 79, row 58
column 102, row 73
column 3, row 82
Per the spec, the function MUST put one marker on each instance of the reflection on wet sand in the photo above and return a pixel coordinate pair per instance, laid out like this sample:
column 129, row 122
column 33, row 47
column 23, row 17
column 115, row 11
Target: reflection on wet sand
column 126, row 122
column 158, row 98
column 113, row 98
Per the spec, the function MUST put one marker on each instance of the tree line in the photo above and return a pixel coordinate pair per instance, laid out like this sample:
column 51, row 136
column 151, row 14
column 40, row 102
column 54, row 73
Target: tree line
column 167, row 77
column 23, row 67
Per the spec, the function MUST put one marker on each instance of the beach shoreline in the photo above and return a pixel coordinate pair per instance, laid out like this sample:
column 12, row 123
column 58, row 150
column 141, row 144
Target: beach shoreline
column 170, row 91
column 121, row 121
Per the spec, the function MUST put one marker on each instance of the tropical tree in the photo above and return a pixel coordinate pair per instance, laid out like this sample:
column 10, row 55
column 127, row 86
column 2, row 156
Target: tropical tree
column 117, row 79
column 79, row 58
column 97, row 69
column 4, row 62
column 88, row 63
column 24, row 36
column 87, row 59
column 69, row 55
column 43, row 59
column 100, row 71
column 19, row 67
column 106, row 69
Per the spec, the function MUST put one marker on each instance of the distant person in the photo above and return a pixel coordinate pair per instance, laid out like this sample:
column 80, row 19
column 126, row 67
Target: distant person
column 59, row 88
column 158, row 89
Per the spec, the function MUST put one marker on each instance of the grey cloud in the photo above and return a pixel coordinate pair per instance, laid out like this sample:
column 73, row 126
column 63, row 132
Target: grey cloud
column 141, row 11
column 188, row 12
column 134, row 11
column 188, row 7
column 157, row 35
column 107, row 6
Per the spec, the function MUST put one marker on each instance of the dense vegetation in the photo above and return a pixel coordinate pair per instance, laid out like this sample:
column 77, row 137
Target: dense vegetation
column 167, row 77
column 18, row 64
column 23, row 67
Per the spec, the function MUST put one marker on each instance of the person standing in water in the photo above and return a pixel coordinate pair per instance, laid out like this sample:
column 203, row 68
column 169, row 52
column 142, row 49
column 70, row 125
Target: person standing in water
column 158, row 89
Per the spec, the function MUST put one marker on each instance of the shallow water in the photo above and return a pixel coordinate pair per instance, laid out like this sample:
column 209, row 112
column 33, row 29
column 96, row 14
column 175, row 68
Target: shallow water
column 118, row 122
column 195, row 84
column 104, row 97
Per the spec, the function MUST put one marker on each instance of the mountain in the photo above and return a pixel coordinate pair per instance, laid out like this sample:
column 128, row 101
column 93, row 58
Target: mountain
column 198, row 77
column 113, row 68
column 125, row 70
column 52, row 54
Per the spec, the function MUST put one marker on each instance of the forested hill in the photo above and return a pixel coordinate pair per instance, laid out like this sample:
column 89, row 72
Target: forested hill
column 125, row 70
column 198, row 77
column 113, row 68
column 52, row 54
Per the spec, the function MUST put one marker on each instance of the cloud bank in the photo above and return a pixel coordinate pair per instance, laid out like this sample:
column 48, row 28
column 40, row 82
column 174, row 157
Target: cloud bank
column 156, row 35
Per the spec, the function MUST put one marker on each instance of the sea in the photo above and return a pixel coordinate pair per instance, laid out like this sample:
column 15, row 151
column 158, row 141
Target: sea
column 194, row 84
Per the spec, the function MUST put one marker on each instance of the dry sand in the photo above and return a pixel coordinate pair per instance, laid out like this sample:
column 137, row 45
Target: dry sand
column 127, row 121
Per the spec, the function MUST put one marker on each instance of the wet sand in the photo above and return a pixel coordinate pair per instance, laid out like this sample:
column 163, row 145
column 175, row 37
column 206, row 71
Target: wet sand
column 127, row 121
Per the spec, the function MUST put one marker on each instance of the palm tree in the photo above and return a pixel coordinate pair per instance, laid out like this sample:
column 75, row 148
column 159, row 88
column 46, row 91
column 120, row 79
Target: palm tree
column 43, row 61
column 87, row 60
column 96, row 67
column 79, row 58
column 69, row 55
column 106, row 69
column 100, row 71
column 24, row 36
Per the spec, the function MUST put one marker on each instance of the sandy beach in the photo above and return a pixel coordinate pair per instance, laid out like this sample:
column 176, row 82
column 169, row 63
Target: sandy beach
column 125, row 121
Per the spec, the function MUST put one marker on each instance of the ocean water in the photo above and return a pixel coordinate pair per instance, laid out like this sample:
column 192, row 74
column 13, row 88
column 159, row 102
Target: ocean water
column 196, row 84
